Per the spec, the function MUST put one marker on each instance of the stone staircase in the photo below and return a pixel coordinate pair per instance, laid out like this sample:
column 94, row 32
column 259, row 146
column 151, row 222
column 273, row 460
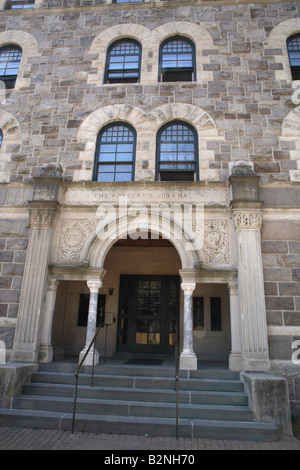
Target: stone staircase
column 138, row 400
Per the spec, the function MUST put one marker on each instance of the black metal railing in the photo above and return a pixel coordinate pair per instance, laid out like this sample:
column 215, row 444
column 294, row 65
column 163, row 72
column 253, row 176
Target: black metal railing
column 77, row 375
column 176, row 375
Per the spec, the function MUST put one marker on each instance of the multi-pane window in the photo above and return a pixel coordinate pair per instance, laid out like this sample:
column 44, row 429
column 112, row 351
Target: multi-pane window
column 123, row 62
column 293, row 46
column 115, row 155
column 126, row 1
column 176, row 153
column 14, row 4
column 10, row 58
column 177, row 60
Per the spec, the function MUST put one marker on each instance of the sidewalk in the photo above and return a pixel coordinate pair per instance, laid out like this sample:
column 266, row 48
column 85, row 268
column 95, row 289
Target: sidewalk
column 49, row 439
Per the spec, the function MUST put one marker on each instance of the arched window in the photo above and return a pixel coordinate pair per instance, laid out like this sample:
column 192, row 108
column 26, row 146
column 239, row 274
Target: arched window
column 123, row 62
column 1, row 137
column 10, row 58
column 293, row 46
column 177, row 60
column 115, row 153
column 177, row 151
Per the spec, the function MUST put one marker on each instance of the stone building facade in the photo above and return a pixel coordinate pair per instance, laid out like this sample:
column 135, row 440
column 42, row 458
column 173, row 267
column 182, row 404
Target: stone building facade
column 64, row 235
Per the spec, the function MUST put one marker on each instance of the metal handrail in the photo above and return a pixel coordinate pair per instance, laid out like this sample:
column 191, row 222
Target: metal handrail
column 176, row 374
column 77, row 375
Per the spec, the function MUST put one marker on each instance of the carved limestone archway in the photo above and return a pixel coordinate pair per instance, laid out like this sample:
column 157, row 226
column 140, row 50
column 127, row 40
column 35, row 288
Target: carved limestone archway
column 111, row 229
column 291, row 132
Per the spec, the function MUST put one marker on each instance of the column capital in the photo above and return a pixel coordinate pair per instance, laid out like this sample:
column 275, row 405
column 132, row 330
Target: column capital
column 52, row 283
column 43, row 214
column 188, row 287
column 247, row 218
column 233, row 286
column 94, row 286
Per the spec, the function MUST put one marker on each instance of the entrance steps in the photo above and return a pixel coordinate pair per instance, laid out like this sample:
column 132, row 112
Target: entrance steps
column 130, row 399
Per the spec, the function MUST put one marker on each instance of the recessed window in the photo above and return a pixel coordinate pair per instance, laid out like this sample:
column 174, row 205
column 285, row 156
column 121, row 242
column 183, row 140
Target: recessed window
column 14, row 4
column 176, row 153
column 123, row 62
column 1, row 137
column 83, row 310
column 127, row 1
column 293, row 46
column 10, row 58
column 198, row 313
column 177, row 60
column 215, row 314
column 115, row 154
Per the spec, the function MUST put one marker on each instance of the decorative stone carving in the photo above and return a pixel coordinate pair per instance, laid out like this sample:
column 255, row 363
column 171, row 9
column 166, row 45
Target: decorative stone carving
column 296, row 95
column 73, row 235
column 247, row 219
column 216, row 245
column 51, row 170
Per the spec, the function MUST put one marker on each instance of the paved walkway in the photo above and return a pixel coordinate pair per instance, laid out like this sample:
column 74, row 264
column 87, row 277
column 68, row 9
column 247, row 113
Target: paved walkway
column 48, row 439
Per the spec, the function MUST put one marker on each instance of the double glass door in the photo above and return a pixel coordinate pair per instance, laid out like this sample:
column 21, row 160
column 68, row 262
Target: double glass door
column 148, row 313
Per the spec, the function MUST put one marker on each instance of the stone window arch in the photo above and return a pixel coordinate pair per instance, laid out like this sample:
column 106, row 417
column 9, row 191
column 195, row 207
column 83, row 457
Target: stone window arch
column 177, row 60
column 196, row 34
column 291, row 133
column 11, row 139
column 278, row 41
column 29, row 47
column 96, row 121
column 115, row 153
column 10, row 58
column 103, row 41
column 177, row 152
column 123, row 62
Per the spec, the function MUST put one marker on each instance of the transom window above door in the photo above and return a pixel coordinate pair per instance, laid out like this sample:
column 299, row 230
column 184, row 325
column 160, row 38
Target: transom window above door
column 123, row 62
column 115, row 153
column 177, row 60
column 176, row 153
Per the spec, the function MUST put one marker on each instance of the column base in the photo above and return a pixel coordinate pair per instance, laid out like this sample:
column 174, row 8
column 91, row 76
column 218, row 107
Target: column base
column 45, row 353
column 235, row 362
column 188, row 361
column 24, row 355
column 256, row 365
column 89, row 358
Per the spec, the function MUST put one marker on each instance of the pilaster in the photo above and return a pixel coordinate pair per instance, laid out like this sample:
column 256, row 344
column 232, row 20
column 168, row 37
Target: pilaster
column 247, row 217
column 43, row 212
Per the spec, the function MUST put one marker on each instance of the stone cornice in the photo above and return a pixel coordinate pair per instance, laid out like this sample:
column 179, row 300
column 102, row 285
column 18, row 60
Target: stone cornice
column 133, row 6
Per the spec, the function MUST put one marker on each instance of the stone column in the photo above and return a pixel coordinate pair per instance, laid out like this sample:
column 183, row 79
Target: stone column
column 235, row 357
column 188, row 359
column 43, row 212
column 247, row 216
column 46, row 350
column 94, row 287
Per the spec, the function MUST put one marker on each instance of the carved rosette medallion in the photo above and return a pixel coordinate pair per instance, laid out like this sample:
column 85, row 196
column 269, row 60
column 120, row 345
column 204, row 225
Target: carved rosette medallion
column 73, row 235
column 216, row 245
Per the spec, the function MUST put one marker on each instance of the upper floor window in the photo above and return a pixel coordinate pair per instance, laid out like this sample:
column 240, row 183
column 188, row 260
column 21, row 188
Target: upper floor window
column 177, row 152
column 293, row 46
column 115, row 153
column 10, row 58
column 1, row 137
column 123, row 62
column 13, row 4
column 126, row 1
column 177, row 60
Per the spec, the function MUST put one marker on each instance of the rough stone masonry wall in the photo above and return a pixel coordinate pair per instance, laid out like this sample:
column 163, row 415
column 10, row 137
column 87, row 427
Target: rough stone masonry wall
column 241, row 92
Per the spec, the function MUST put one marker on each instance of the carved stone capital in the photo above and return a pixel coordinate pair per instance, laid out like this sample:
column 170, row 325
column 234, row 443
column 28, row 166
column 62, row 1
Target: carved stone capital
column 247, row 219
column 188, row 288
column 94, row 286
column 43, row 216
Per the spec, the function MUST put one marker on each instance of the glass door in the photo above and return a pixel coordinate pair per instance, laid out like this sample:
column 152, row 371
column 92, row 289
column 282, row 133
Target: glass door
column 148, row 312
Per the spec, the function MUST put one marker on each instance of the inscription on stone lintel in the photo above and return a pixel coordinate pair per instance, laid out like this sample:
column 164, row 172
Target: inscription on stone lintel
column 89, row 195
